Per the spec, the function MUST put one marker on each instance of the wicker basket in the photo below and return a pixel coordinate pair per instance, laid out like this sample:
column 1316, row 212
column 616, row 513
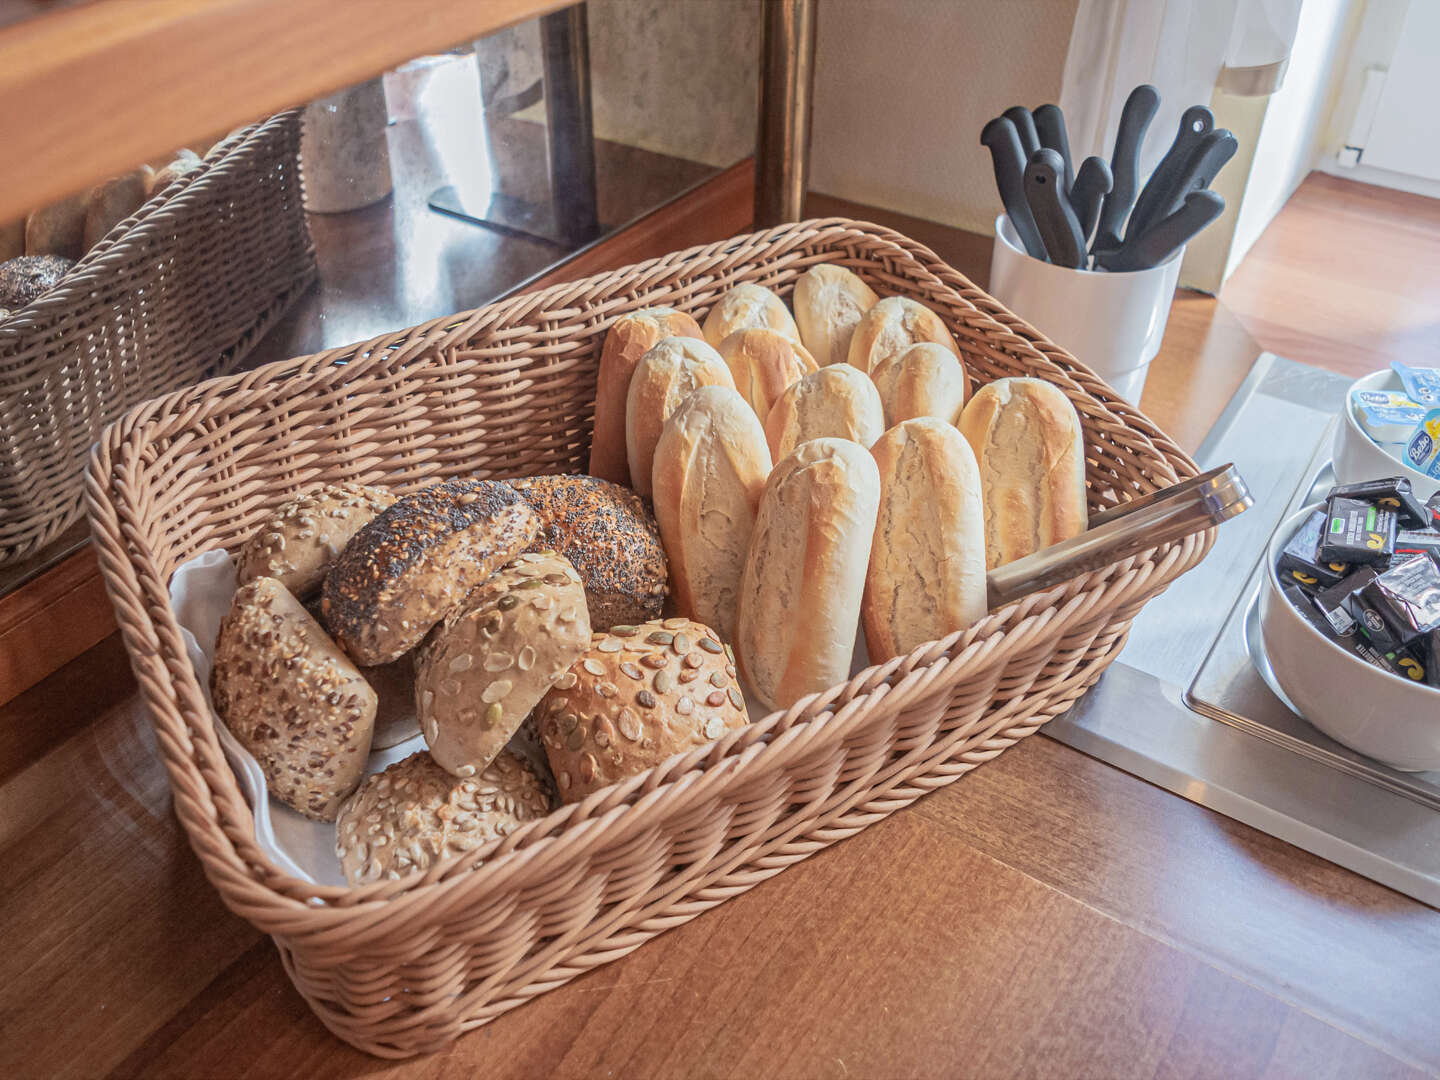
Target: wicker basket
column 175, row 293
column 402, row 967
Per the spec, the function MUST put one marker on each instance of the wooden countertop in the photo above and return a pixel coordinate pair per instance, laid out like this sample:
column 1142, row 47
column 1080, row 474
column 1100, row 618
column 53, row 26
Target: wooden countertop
column 1047, row 916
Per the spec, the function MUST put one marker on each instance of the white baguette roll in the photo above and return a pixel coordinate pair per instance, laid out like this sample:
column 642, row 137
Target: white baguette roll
column 927, row 562
column 710, row 468
column 763, row 364
column 805, row 571
column 748, row 306
column 829, row 301
column 924, row 380
column 663, row 378
column 1031, row 450
column 836, row 402
column 891, row 327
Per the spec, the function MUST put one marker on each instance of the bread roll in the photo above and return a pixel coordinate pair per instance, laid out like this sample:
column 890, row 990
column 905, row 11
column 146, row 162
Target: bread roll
column 183, row 164
column 662, row 380
column 891, row 327
column 416, row 562
column 924, row 380
column 58, row 229
column 1031, row 449
column 629, row 338
column 611, row 540
column 414, row 814
column 927, row 564
column 12, row 240
column 483, row 669
column 112, row 202
column 829, row 301
column 710, row 468
column 836, row 402
column 640, row 695
column 29, row 277
column 805, row 571
column 746, row 307
column 299, row 541
column 763, row 364
column 292, row 698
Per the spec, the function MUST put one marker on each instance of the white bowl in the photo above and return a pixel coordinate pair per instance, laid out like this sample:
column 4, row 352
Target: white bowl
column 1387, row 717
column 1359, row 457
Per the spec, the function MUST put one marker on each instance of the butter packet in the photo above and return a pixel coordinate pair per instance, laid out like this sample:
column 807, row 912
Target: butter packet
column 1422, row 452
column 1421, row 384
column 1387, row 416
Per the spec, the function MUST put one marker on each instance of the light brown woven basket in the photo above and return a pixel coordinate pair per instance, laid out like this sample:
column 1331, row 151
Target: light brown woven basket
column 178, row 291
column 402, row 967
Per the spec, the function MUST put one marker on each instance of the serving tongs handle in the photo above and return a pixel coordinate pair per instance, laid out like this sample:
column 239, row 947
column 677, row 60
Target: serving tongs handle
column 1173, row 513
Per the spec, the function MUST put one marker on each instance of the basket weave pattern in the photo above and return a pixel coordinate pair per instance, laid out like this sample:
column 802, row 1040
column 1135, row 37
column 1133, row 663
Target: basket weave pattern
column 175, row 293
column 402, row 967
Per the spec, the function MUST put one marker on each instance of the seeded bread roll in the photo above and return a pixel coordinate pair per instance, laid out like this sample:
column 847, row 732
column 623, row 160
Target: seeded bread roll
column 924, row 380
column 805, row 570
column 640, row 695
column 417, row 561
column 748, row 306
column 483, row 669
column 836, row 402
column 112, row 202
column 58, row 229
column 891, row 327
column 629, row 338
column 292, row 698
column 926, row 576
column 414, row 814
column 829, row 301
column 1031, row 449
column 710, row 468
column 299, row 541
column 29, row 277
column 763, row 364
column 610, row 538
column 663, row 378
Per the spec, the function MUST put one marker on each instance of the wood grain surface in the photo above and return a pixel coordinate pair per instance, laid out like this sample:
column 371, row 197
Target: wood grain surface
column 1048, row 916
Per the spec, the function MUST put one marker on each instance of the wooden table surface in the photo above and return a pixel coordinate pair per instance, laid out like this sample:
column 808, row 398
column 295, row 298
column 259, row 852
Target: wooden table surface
column 1047, row 916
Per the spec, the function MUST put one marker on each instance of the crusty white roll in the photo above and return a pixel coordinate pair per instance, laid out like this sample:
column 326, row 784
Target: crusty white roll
column 927, row 563
column 924, row 380
column 749, row 306
column 805, row 571
column 829, row 301
column 112, row 202
column 891, row 327
column 630, row 337
column 836, row 402
column 709, row 472
column 763, row 364
column 1031, row 449
column 663, row 379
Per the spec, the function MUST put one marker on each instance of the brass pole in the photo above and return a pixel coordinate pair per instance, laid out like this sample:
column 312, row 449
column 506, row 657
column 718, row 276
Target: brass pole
column 782, row 143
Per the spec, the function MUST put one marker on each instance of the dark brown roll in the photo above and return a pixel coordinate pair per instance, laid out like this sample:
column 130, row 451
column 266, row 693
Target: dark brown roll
column 610, row 538
column 29, row 277
column 416, row 562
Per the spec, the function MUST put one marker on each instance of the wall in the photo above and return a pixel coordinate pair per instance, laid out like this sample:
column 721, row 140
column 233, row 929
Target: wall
column 902, row 90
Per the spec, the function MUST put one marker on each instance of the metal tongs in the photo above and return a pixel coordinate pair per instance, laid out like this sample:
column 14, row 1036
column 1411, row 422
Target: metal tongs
column 1173, row 513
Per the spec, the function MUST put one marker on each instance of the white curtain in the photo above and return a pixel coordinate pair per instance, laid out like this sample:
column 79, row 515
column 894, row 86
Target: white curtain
column 1182, row 47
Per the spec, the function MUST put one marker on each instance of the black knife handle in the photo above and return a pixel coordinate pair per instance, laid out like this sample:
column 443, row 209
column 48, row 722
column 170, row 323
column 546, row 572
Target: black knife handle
column 1050, row 127
column 1195, row 123
column 1009, row 161
column 1044, row 187
column 1025, row 125
column 1092, row 183
column 1167, row 236
column 1135, row 120
column 1207, row 159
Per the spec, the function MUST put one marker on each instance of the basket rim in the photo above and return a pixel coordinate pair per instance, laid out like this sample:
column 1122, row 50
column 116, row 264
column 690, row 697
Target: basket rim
column 165, row 676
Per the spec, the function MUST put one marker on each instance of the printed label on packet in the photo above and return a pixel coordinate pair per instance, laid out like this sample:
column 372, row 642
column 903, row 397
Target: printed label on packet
column 1421, row 384
column 1386, row 415
column 1422, row 452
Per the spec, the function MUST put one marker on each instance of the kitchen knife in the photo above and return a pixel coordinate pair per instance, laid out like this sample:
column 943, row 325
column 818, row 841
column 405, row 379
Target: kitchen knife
column 1165, row 237
column 1207, row 159
column 1195, row 123
column 1025, row 126
column 1092, row 183
column 1050, row 127
column 1135, row 119
column 1009, row 161
column 1054, row 217
column 1190, row 506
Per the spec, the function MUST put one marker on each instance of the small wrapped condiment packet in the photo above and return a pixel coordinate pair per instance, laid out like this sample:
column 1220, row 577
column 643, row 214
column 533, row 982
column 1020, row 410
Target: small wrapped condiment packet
column 1357, row 532
column 1299, row 562
column 1400, row 605
column 1394, row 493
